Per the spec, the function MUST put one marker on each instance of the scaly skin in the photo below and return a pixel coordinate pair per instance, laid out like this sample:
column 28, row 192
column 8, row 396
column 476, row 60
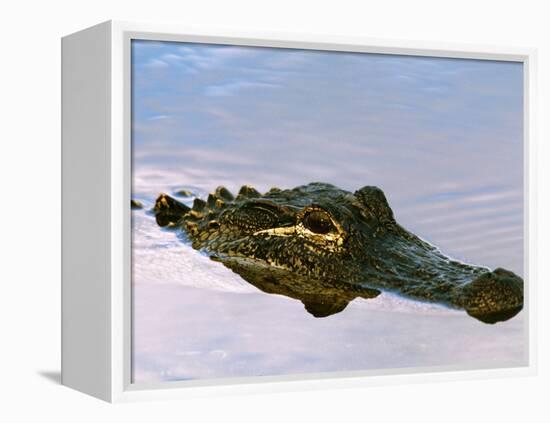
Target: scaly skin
column 326, row 246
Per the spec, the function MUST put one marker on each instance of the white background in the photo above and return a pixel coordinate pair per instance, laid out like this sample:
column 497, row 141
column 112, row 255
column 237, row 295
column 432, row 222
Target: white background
column 30, row 207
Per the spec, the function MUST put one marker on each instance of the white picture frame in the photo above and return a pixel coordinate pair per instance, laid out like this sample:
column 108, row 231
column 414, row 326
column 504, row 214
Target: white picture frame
column 96, row 279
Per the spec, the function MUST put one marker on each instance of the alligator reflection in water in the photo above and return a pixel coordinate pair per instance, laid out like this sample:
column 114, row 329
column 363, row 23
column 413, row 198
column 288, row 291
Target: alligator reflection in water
column 325, row 246
column 321, row 299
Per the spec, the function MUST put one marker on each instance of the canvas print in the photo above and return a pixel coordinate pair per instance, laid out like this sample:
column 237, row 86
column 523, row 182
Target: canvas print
column 307, row 212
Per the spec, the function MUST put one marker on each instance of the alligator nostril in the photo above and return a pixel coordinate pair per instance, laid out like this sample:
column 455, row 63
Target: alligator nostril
column 493, row 296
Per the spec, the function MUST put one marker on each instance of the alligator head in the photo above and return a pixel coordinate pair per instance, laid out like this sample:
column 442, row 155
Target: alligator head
column 326, row 246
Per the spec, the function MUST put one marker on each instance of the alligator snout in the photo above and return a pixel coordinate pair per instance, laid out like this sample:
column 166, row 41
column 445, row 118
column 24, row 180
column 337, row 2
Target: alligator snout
column 493, row 297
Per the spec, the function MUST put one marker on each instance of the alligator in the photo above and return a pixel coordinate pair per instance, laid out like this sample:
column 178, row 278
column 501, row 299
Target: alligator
column 326, row 246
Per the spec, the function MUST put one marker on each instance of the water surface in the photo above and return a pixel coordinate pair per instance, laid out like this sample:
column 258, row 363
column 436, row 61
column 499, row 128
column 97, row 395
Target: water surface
column 441, row 137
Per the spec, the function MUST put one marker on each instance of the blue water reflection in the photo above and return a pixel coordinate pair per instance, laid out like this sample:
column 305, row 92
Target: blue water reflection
column 441, row 137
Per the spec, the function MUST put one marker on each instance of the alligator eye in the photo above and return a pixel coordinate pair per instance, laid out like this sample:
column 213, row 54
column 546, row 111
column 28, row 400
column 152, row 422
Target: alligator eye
column 318, row 222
